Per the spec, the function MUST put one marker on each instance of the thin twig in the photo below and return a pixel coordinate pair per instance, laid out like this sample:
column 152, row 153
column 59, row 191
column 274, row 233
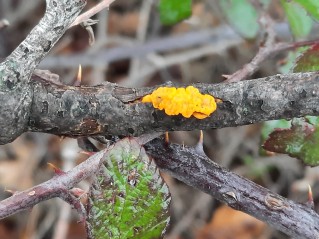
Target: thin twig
column 263, row 54
column 58, row 186
column 266, row 49
column 270, row 34
column 94, row 10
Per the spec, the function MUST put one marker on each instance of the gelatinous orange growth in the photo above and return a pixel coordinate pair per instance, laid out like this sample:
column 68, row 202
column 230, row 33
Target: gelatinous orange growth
column 186, row 101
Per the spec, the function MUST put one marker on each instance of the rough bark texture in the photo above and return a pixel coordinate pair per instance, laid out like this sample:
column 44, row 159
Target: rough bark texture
column 16, row 70
column 114, row 110
column 196, row 170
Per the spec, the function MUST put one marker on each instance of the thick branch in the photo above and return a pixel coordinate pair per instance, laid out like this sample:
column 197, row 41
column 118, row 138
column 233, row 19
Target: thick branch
column 16, row 70
column 112, row 110
column 194, row 169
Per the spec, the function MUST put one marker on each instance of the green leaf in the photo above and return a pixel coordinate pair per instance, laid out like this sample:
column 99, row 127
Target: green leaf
column 288, row 63
column 311, row 6
column 300, row 141
column 291, row 60
column 173, row 11
column 129, row 198
column 314, row 120
column 308, row 60
column 242, row 16
column 270, row 126
column 300, row 23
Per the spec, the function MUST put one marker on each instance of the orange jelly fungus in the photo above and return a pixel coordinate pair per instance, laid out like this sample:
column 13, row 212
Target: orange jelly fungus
column 186, row 101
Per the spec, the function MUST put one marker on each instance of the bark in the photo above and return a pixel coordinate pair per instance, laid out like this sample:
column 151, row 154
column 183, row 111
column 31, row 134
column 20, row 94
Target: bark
column 16, row 70
column 114, row 110
column 197, row 170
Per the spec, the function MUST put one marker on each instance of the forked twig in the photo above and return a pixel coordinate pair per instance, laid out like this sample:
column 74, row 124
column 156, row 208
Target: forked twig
column 85, row 16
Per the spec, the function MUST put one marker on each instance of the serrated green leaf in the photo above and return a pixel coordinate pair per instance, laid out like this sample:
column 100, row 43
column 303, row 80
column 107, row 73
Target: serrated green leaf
column 311, row 6
column 173, row 11
column 300, row 141
column 300, row 23
column 242, row 16
column 129, row 198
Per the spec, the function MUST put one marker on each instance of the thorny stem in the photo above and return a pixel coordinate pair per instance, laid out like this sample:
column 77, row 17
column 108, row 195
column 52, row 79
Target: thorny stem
column 197, row 170
column 193, row 168
column 114, row 110
column 58, row 186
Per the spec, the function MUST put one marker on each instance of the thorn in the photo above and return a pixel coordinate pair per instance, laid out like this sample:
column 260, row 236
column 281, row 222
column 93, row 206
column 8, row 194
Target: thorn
column 79, row 77
column 166, row 137
column 218, row 100
column 86, row 144
column 78, row 192
column 201, row 137
column 310, row 202
column 56, row 170
column 87, row 153
column 4, row 23
column 199, row 148
column 226, row 76
column 12, row 192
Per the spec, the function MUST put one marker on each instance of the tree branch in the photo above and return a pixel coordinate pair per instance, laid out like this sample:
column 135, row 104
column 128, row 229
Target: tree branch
column 193, row 168
column 58, row 186
column 114, row 110
column 16, row 70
